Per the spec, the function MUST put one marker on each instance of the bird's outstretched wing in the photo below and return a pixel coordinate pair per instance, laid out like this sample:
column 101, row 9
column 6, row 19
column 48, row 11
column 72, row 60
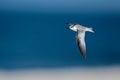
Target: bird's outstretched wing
column 81, row 42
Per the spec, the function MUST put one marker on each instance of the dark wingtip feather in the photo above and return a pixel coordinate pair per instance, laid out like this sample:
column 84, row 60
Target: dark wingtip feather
column 84, row 55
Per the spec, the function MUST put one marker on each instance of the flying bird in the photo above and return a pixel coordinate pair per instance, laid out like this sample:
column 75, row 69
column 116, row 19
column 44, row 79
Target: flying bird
column 80, row 37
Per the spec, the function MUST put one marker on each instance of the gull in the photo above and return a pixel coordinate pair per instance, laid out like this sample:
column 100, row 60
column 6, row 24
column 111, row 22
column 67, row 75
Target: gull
column 80, row 37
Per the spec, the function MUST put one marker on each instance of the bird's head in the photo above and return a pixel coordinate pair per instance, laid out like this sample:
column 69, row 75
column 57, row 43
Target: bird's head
column 72, row 27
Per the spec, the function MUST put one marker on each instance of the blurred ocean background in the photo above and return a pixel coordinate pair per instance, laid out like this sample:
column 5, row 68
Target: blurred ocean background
column 38, row 38
column 33, row 34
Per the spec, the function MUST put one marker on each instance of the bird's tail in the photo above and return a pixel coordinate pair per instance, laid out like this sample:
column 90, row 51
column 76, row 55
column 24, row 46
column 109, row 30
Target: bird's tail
column 90, row 30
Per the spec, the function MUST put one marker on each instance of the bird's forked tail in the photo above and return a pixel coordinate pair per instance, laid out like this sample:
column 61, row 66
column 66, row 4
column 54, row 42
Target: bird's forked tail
column 90, row 30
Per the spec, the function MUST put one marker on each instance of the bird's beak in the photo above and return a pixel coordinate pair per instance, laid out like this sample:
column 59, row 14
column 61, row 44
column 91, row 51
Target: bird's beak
column 68, row 24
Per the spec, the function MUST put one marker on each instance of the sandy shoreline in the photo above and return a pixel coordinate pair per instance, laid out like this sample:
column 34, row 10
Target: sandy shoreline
column 101, row 73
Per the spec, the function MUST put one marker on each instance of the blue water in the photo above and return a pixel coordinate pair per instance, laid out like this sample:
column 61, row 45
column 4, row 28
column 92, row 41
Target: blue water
column 32, row 39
